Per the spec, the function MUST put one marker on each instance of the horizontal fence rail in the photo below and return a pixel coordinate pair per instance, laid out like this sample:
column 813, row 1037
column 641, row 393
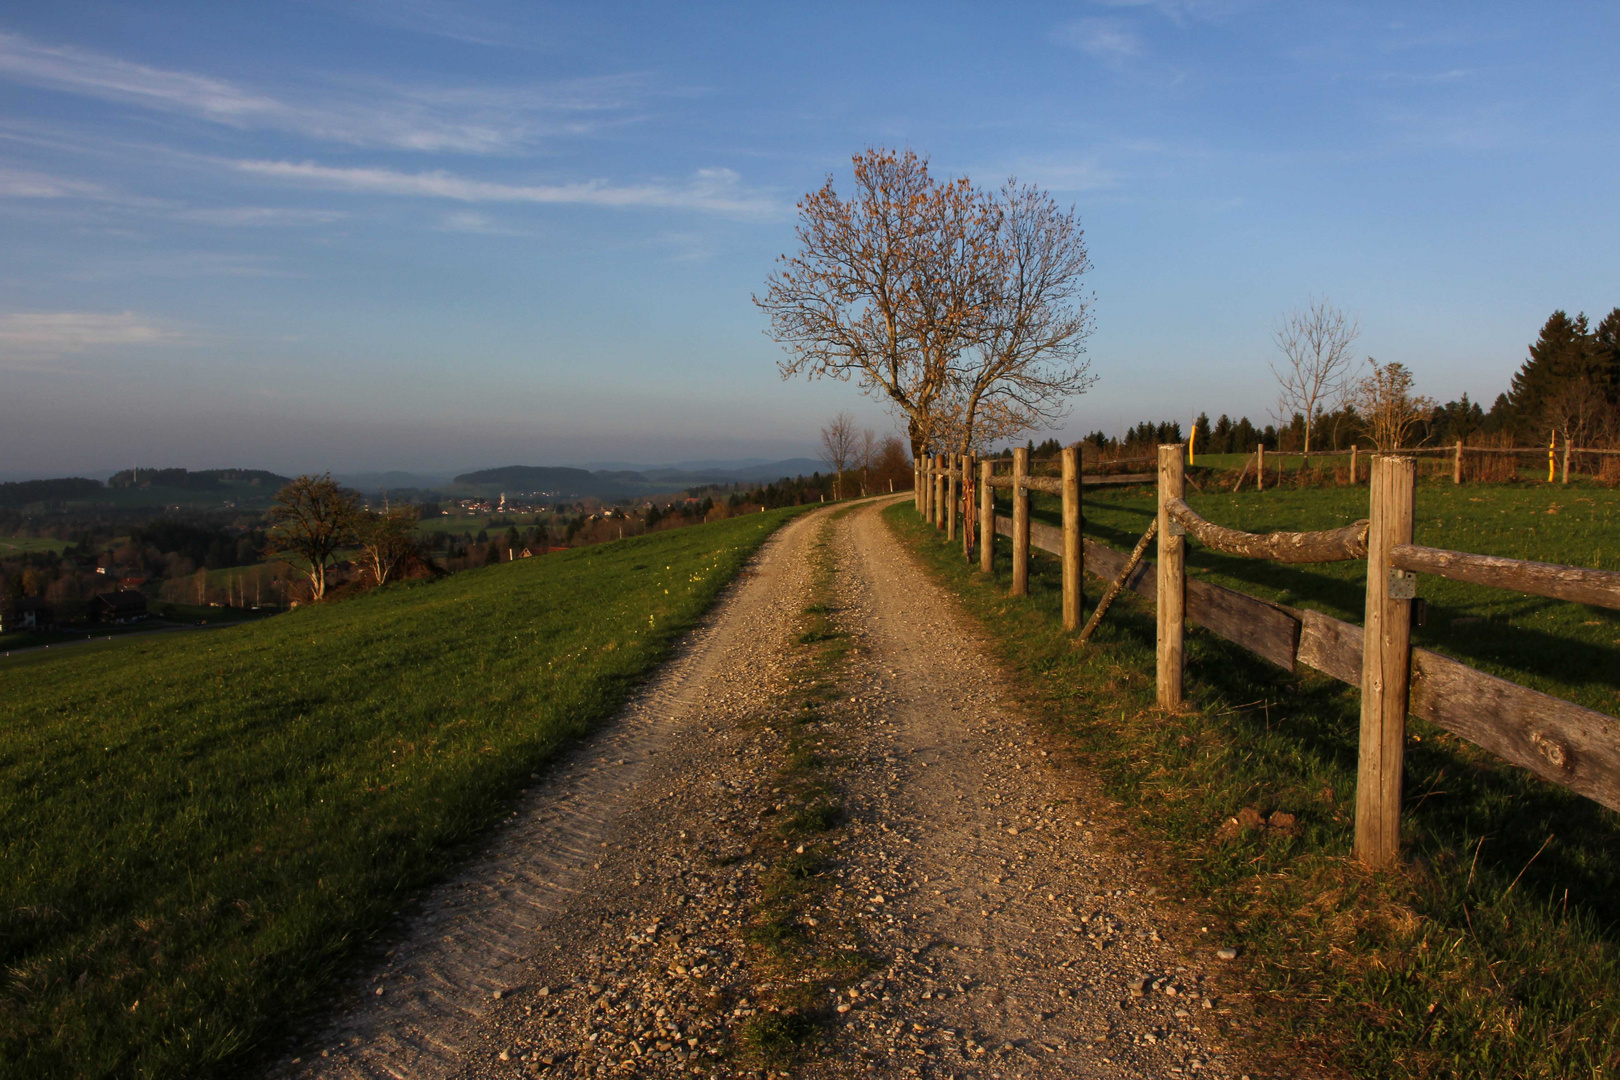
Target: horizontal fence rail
column 1336, row 545
column 1600, row 588
column 1555, row 739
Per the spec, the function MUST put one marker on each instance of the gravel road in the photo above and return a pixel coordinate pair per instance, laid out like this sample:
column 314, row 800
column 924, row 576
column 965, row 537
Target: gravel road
column 1000, row 917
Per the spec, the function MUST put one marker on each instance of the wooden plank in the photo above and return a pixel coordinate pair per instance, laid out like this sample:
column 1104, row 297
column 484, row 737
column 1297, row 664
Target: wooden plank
column 1269, row 632
column 1331, row 646
column 1004, row 526
column 1048, row 538
column 1600, row 588
column 1120, row 480
column 1051, row 485
column 1555, row 739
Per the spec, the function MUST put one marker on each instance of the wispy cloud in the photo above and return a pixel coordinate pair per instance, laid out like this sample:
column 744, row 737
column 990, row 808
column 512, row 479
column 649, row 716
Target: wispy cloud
column 58, row 333
column 715, row 191
column 1182, row 12
column 22, row 184
column 481, row 120
column 1109, row 40
column 471, row 221
column 259, row 216
column 442, row 20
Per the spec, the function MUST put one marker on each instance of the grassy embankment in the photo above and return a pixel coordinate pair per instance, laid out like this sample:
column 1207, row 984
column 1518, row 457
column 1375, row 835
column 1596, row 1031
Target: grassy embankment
column 1495, row 952
column 200, row 831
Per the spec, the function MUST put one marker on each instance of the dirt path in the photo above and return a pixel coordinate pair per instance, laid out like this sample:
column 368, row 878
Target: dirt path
column 612, row 929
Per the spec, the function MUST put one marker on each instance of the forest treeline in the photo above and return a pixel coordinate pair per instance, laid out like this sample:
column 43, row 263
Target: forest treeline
column 1570, row 383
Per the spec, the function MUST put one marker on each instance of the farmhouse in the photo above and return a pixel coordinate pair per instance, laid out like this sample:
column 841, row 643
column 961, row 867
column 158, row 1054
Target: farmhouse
column 119, row 607
column 24, row 613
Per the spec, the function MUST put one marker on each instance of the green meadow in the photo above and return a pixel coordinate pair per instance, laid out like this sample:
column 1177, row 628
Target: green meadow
column 201, row 831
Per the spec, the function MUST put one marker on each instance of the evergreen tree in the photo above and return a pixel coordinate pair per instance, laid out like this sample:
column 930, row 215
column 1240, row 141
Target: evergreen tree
column 1564, row 351
column 1201, row 431
column 1606, row 355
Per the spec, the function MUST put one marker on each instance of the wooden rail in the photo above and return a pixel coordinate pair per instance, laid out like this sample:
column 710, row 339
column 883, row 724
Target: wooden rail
column 1335, row 545
column 1600, row 588
column 1553, row 738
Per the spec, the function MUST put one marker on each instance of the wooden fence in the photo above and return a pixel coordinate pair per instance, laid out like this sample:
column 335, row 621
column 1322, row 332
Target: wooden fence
column 1557, row 740
column 1555, row 452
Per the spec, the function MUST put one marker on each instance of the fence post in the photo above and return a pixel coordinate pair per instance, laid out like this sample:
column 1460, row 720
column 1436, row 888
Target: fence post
column 1386, row 666
column 1353, row 449
column 1259, row 471
column 1172, row 578
column 951, row 484
column 916, row 485
column 1020, row 509
column 939, row 491
column 969, row 464
column 987, row 519
column 1456, row 465
column 1566, row 459
column 1071, row 538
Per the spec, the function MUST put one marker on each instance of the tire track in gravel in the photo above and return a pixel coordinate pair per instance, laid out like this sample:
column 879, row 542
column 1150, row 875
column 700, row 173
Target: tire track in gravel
column 553, row 867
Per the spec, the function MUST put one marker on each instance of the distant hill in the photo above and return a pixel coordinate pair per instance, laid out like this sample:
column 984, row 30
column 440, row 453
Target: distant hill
column 201, row 480
column 23, row 492
column 557, row 480
column 391, row 480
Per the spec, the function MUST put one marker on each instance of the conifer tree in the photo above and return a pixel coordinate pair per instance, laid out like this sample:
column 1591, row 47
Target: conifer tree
column 1564, row 351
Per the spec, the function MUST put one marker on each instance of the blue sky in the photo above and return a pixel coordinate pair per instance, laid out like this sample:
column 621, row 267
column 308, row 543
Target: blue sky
column 433, row 236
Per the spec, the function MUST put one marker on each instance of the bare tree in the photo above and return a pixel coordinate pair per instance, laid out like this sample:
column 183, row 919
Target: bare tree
column 312, row 519
column 1387, row 406
column 388, row 542
column 868, row 457
column 840, row 443
column 887, row 287
column 1315, row 342
column 1578, row 411
column 1027, row 362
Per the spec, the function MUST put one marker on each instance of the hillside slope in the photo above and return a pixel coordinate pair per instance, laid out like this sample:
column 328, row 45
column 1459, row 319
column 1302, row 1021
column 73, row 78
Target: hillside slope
column 199, row 831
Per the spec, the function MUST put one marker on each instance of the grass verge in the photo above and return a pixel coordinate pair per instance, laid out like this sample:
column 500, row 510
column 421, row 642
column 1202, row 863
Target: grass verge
column 200, row 831
column 799, row 950
column 1495, row 952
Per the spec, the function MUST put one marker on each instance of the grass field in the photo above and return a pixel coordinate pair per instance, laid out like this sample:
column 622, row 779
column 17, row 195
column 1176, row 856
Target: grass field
column 20, row 545
column 1495, row 951
column 201, row 830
